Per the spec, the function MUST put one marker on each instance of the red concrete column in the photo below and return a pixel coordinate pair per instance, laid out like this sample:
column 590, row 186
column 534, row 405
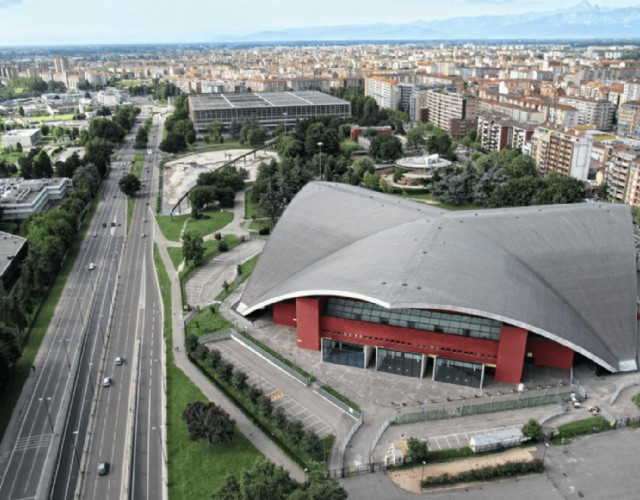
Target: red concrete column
column 511, row 352
column 308, row 319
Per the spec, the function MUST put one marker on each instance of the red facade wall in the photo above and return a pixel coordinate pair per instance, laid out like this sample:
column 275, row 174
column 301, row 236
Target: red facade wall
column 511, row 352
column 284, row 313
column 308, row 320
column 549, row 353
column 410, row 340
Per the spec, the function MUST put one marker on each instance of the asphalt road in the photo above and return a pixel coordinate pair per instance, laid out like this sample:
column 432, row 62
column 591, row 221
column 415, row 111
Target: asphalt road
column 29, row 449
column 127, row 427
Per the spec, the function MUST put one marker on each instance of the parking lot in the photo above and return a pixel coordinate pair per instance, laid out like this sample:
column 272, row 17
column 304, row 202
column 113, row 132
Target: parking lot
column 298, row 401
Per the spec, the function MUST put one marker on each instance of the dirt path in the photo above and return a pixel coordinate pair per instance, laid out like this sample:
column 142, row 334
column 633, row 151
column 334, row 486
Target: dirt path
column 409, row 480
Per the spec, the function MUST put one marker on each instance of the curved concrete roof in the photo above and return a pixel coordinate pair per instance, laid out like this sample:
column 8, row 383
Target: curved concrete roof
column 566, row 272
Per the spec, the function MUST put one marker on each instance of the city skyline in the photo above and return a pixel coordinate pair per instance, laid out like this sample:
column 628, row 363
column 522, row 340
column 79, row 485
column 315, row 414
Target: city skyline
column 35, row 22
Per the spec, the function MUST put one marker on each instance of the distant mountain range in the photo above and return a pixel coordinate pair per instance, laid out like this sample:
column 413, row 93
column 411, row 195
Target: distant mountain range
column 584, row 21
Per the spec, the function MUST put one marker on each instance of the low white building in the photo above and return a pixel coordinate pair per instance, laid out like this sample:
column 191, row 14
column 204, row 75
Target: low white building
column 25, row 137
column 20, row 198
column 505, row 438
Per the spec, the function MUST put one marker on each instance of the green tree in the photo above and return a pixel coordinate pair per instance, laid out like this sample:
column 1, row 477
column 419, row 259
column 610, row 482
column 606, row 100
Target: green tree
column 142, row 138
column 41, row 165
column 386, row 147
column 532, row 429
column 415, row 137
column 192, row 247
column 98, row 151
column 208, row 421
column 440, row 142
column 129, row 184
column 417, row 450
column 603, row 191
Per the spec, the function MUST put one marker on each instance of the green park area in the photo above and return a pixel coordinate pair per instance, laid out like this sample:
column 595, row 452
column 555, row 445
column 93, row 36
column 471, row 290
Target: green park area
column 196, row 469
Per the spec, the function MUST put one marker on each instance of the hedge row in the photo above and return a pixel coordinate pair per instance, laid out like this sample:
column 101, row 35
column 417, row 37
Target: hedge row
column 591, row 425
column 304, row 447
column 489, row 473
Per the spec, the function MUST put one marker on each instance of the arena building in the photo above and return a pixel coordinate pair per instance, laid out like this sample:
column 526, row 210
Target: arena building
column 269, row 109
column 374, row 279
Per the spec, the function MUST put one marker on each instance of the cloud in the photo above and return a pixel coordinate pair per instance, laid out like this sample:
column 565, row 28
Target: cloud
column 9, row 3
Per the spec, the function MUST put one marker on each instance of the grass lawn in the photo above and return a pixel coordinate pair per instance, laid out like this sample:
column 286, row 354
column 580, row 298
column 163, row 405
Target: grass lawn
column 171, row 225
column 176, row 255
column 207, row 322
column 196, row 469
column 63, row 118
column 38, row 329
column 211, row 221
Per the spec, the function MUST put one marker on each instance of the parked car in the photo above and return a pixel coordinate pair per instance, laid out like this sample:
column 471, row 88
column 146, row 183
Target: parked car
column 594, row 410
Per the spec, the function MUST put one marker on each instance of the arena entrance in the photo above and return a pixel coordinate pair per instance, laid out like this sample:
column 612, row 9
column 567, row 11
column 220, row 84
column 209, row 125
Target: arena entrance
column 457, row 372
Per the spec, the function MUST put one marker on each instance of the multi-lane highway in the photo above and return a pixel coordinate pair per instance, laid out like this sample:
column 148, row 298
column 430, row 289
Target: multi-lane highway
column 65, row 421
column 127, row 427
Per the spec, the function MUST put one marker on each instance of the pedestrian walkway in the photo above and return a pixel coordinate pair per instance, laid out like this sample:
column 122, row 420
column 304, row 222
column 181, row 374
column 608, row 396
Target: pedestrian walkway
column 244, row 425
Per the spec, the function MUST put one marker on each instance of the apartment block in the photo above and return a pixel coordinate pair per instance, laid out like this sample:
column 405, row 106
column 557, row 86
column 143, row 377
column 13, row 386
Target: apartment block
column 564, row 152
column 592, row 112
column 623, row 176
column 385, row 91
column 454, row 113
column 629, row 119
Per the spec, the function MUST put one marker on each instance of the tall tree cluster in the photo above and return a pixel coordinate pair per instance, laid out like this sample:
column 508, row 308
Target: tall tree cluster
column 179, row 127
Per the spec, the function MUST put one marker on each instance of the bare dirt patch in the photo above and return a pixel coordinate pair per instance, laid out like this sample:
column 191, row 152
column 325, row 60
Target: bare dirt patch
column 409, row 479
column 181, row 175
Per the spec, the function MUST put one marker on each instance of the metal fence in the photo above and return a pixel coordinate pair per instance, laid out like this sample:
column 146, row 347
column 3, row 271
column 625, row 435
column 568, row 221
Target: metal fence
column 269, row 357
column 621, row 388
column 356, row 470
column 339, row 403
column 449, row 410
column 343, row 446
column 385, row 425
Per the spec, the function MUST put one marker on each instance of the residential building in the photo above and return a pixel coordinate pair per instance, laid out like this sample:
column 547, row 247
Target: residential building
column 454, row 113
column 622, row 176
column 565, row 152
column 599, row 113
column 629, row 119
column 385, row 91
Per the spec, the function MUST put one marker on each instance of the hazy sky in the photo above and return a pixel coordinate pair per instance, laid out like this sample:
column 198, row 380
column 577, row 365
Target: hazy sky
column 43, row 22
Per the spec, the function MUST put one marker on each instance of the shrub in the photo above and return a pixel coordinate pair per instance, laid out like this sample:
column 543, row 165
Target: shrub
column 488, row 473
column 532, row 429
column 240, row 380
column 590, row 425
column 190, row 343
column 223, row 246
column 636, row 400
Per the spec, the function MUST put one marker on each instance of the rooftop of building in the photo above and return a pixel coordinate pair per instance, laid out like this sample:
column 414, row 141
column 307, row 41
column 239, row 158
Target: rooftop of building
column 10, row 245
column 262, row 100
column 23, row 132
column 565, row 272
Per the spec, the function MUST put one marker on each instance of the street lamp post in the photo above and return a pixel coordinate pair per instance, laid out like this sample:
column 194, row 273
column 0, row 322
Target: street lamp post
column 46, row 405
column 320, row 167
column 64, row 343
column 422, row 476
column 544, row 452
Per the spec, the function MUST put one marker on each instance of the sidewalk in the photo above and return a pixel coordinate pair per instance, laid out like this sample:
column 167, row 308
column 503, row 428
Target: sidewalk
column 244, row 425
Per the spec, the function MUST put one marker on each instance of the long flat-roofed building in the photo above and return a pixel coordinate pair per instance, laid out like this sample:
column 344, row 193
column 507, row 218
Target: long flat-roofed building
column 267, row 109
column 373, row 279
